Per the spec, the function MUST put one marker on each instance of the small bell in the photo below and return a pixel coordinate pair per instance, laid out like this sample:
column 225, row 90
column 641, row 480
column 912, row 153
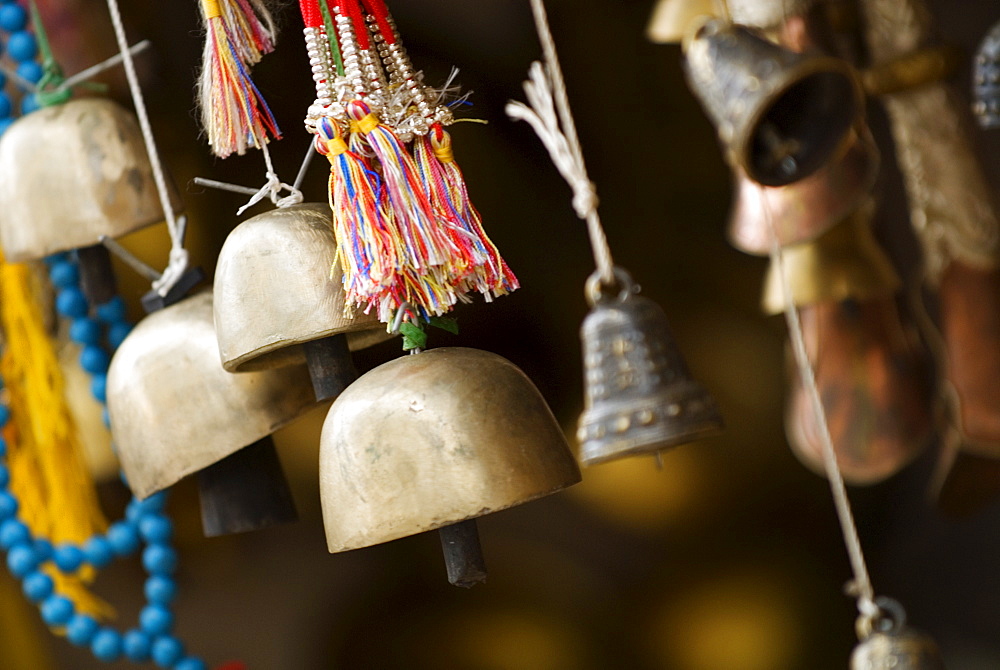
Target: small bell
column 806, row 209
column 986, row 80
column 765, row 14
column 73, row 173
column 672, row 18
column 640, row 397
column 175, row 411
column 780, row 115
column 889, row 644
column 844, row 263
column 427, row 441
column 277, row 304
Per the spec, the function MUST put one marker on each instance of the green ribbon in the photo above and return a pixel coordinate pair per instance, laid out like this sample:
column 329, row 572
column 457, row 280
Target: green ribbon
column 50, row 88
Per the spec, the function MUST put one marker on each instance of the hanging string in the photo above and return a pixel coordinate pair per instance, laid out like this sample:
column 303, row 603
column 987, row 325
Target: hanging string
column 862, row 586
column 549, row 114
column 178, row 262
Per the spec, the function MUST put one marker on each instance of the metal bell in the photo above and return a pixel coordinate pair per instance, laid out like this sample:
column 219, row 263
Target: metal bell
column 889, row 644
column 765, row 14
column 640, row 397
column 277, row 303
column 175, row 411
column 986, row 80
column 780, row 115
column 71, row 174
column 803, row 211
column 845, row 262
column 430, row 440
column 672, row 18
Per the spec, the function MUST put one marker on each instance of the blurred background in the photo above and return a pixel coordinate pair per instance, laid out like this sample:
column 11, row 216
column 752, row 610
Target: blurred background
column 729, row 558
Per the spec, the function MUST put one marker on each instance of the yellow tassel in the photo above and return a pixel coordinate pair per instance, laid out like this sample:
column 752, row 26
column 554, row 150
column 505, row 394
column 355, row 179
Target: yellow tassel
column 56, row 493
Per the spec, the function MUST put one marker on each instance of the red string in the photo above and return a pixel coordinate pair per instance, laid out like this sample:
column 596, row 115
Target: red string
column 352, row 8
column 311, row 15
column 380, row 11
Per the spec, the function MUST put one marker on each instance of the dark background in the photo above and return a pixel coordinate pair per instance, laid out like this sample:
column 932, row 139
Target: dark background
column 728, row 559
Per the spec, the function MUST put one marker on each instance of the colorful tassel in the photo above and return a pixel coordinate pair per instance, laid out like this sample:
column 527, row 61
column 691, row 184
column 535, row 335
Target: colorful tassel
column 234, row 113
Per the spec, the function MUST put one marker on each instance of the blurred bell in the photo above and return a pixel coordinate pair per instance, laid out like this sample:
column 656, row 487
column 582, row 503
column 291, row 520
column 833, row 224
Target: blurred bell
column 845, row 262
column 175, row 411
column 889, row 644
column 430, row 440
column 781, row 115
column 804, row 210
column 71, row 174
column 986, row 80
column 640, row 397
column 672, row 18
column 876, row 381
column 765, row 14
column 277, row 303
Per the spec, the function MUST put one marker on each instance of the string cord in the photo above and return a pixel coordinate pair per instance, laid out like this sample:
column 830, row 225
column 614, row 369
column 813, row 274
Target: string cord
column 178, row 262
column 862, row 585
column 548, row 112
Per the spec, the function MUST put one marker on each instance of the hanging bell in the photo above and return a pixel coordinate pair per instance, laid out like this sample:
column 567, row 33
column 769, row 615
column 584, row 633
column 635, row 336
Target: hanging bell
column 640, row 397
column 804, row 210
column 175, row 411
column 277, row 303
column 889, row 644
column 780, row 115
column 844, row 263
column 73, row 173
column 986, row 80
column 672, row 18
column 427, row 441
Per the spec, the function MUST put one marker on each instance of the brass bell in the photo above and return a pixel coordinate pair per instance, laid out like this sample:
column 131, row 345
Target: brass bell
column 640, row 397
column 804, row 210
column 73, row 173
column 986, row 80
column 672, row 18
column 277, row 303
column 889, row 644
column 765, row 14
column 876, row 381
column 845, row 262
column 780, row 115
column 434, row 439
column 175, row 411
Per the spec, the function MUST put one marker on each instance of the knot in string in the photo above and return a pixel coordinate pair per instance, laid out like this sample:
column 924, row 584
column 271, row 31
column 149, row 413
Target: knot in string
column 272, row 190
column 176, row 268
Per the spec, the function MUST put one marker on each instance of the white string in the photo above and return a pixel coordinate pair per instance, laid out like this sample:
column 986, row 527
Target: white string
column 862, row 586
column 272, row 187
column 178, row 254
column 549, row 114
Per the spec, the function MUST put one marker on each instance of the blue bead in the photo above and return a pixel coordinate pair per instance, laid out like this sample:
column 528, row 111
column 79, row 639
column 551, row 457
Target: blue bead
column 69, row 558
column 6, row 106
column 137, row 645
column 81, row 629
column 71, row 303
column 4, row 476
column 155, row 503
column 31, row 71
column 64, row 274
column 124, row 538
column 85, row 331
column 117, row 332
column 106, row 645
column 94, row 360
column 156, row 619
column 159, row 559
column 58, row 257
column 5, row 124
column 8, row 505
column 99, row 551
column 112, row 311
column 191, row 663
column 57, row 610
column 3, row 442
column 99, row 387
column 44, row 549
column 37, row 586
column 160, row 589
column 13, row 533
column 13, row 18
column 22, row 46
column 29, row 104
column 22, row 560
column 4, row 415
column 134, row 510
column 167, row 650
column 156, row 528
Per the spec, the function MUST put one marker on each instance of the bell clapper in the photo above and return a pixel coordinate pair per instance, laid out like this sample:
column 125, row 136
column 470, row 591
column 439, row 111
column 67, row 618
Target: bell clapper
column 331, row 368
column 463, row 553
column 97, row 277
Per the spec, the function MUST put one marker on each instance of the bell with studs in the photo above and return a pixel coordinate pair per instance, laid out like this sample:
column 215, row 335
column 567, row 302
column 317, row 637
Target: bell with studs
column 640, row 397
column 986, row 80
column 888, row 643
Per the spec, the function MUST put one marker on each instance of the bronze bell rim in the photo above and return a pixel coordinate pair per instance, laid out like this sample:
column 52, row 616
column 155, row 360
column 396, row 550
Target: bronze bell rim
column 281, row 353
column 712, row 427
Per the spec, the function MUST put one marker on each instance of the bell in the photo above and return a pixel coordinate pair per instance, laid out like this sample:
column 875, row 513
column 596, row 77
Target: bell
column 640, row 397
column 73, row 173
column 765, row 14
column 430, row 440
column 889, row 644
column 845, row 262
column 672, row 18
column 986, row 80
column 803, row 211
column 175, row 411
column 876, row 381
column 277, row 303
column 781, row 115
